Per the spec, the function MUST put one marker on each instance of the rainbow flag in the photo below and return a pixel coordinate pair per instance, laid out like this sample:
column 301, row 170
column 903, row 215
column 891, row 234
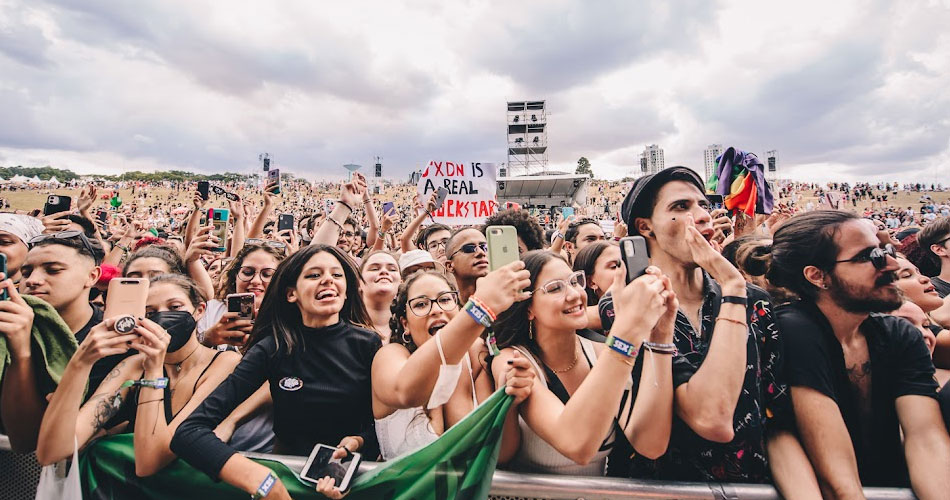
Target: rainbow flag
column 740, row 179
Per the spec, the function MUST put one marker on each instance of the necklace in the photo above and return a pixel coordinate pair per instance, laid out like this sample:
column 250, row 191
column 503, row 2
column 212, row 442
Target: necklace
column 178, row 364
column 573, row 363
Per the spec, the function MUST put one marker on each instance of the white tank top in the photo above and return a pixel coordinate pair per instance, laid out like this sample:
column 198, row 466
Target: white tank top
column 536, row 456
column 408, row 429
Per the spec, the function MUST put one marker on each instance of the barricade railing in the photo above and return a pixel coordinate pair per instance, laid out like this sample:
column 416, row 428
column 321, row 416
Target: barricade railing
column 19, row 481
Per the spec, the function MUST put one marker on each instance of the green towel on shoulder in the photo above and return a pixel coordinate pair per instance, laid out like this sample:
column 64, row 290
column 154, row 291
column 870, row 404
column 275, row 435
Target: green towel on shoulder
column 52, row 340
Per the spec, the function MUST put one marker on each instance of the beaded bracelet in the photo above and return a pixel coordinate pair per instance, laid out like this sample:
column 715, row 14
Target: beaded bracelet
column 660, row 348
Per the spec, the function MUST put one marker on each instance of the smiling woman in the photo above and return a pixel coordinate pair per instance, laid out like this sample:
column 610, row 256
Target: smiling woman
column 380, row 273
column 310, row 342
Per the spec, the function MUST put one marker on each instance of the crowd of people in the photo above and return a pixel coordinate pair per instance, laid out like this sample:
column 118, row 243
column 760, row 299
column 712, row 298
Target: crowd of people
column 807, row 348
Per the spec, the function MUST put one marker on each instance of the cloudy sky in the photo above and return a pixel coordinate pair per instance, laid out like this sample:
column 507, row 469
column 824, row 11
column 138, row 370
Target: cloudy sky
column 845, row 90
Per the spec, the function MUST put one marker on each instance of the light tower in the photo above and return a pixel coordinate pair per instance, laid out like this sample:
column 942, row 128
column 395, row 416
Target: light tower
column 351, row 167
column 527, row 138
column 771, row 165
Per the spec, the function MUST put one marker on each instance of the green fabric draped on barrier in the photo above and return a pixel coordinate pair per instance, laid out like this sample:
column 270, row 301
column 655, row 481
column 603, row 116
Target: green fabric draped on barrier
column 458, row 465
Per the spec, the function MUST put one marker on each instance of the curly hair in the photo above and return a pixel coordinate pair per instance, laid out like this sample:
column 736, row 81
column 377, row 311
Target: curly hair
column 161, row 252
column 399, row 312
column 527, row 226
column 229, row 283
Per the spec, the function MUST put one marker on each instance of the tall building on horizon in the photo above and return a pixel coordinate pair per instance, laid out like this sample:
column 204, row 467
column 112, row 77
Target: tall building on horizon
column 651, row 160
column 709, row 159
column 771, row 165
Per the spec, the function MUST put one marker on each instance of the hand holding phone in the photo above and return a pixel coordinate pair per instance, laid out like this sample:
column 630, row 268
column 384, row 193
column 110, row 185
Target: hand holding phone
column 242, row 304
column 440, row 196
column 321, row 464
column 502, row 246
column 56, row 203
column 635, row 255
column 125, row 301
column 203, row 189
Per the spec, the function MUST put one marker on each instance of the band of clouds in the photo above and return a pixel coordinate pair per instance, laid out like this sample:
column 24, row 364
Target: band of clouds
column 853, row 90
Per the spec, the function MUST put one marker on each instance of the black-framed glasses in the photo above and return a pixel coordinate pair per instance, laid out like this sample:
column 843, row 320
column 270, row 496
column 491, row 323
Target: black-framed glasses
column 876, row 256
column 266, row 243
column 941, row 242
column 434, row 245
column 577, row 280
column 68, row 235
column 471, row 248
column 247, row 273
column 218, row 190
column 422, row 305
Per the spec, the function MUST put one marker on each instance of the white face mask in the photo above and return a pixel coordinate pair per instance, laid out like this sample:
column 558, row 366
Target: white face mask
column 447, row 382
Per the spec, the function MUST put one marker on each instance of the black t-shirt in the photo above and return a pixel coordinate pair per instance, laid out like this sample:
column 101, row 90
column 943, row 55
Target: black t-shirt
column 321, row 394
column 943, row 288
column 900, row 366
column 944, row 398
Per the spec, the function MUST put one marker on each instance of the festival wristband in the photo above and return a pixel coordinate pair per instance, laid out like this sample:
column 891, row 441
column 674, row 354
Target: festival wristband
column 159, row 383
column 621, row 346
column 734, row 299
column 480, row 303
column 265, row 486
column 478, row 314
column 492, row 344
column 345, row 204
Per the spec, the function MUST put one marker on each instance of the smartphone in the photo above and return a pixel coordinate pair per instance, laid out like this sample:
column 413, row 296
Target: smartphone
column 715, row 201
column 388, row 207
column 203, row 189
column 321, row 464
column 274, row 176
column 567, row 212
column 440, row 195
column 285, row 221
column 242, row 303
column 635, row 255
column 56, row 203
column 3, row 269
column 502, row 246
column 219, row 219
column 126, row 298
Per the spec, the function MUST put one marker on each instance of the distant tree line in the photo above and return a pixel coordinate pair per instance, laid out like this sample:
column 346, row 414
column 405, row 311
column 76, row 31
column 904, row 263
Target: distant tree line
column 66, row 175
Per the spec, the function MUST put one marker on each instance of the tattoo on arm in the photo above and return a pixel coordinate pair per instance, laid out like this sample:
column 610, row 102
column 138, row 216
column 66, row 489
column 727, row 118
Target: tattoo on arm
column 106, row 408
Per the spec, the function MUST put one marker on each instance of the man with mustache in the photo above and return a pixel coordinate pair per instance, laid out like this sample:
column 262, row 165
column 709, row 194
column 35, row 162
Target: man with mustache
column 858, row 378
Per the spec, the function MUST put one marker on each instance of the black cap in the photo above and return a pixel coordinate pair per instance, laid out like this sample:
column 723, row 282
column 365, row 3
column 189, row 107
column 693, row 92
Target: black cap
column 634, row 205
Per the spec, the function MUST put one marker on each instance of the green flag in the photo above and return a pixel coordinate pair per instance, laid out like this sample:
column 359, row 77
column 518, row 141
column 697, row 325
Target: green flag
column 458, row 465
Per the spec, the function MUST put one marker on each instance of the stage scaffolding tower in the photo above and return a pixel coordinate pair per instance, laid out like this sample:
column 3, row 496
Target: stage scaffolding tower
column 527, row 138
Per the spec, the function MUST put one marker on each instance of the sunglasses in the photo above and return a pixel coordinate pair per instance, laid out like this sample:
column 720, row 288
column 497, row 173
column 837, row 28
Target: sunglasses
column 68, row 235
column 471, row 248
column 218, row 190
column 876, row 256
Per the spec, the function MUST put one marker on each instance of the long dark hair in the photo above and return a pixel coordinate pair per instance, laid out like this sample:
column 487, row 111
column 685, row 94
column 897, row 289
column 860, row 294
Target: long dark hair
column 399, row 312
column 282, row 319
column 511, row 327
column 586, row 261
column 805, row 240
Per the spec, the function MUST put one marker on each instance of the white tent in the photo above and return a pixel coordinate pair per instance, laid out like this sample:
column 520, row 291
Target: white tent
column 54, row 180
column 20, row 179
column 36, row 179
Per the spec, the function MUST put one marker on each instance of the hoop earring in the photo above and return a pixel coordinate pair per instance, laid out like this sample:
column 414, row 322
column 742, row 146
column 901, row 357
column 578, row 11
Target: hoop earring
column 405, row 338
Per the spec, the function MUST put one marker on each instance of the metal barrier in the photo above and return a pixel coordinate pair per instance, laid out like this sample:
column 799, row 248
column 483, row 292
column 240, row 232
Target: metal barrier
column 19, row 474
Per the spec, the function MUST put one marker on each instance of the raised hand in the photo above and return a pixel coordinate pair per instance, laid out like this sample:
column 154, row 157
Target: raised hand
column 708, row 257
column 54, row 223
column 201, row 245
column 504, row 286
column 153, row 342
column 102, row 341
column 639, row 304
column 229, row 330
column 16, row 320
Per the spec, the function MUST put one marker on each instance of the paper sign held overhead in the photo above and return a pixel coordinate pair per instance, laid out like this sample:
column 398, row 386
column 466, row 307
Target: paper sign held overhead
column 471, row 188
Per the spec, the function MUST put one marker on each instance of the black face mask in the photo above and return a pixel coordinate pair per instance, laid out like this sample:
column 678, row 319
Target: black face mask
column 179, row 324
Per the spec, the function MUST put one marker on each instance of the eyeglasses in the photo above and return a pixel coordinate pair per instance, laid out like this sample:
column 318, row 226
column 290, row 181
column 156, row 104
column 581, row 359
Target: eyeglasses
column 247, row 273
column 941, row 242
column 876, row 256
column 68, row 235
column 471, row 248
column 220, row 191
column 267, row 243
column 577, row 280
column 434, row 245
column 348, row 234
column 422, row 305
